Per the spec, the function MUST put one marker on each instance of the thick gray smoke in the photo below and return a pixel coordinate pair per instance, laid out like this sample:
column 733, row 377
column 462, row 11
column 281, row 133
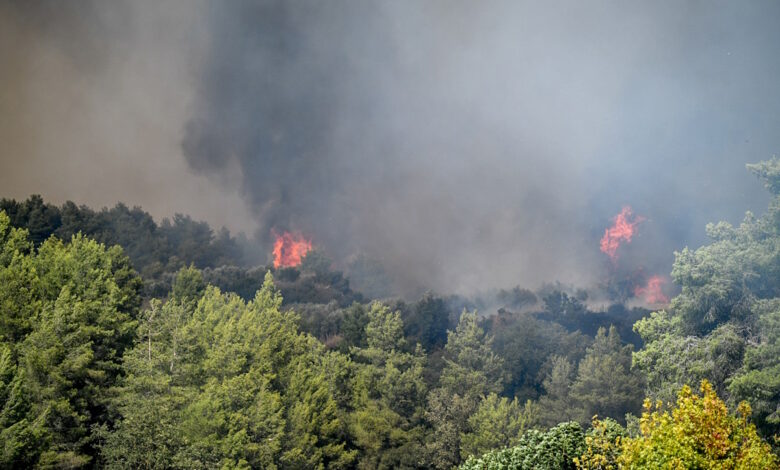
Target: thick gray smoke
column 484, row 143
column 93, row 100
column 474, row 144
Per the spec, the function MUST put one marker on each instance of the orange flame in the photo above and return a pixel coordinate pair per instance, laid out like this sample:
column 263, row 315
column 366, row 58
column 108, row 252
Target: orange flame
column 653, row 292
column 622, row 230
column 289, row 249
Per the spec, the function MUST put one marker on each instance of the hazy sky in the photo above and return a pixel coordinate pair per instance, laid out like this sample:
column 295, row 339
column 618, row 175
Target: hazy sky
column 465, row 144
column 93, row 100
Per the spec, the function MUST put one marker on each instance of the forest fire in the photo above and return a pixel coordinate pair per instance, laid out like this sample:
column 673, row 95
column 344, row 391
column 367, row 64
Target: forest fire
column 289, row 249
column 652, row 292
column 622, row 230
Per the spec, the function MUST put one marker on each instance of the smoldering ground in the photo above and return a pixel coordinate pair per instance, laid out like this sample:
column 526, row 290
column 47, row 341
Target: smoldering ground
column 463, row 144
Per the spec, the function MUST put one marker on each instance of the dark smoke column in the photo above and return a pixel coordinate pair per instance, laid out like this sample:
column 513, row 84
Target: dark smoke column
column 270, row 103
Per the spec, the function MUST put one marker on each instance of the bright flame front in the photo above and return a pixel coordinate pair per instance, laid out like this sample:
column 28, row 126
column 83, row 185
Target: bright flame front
column 622, row 230
column 653, row 292
column 289, row 249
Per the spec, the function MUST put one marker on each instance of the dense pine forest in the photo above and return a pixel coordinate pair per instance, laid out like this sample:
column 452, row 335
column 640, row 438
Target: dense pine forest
column 130, row 344
column 372, row 234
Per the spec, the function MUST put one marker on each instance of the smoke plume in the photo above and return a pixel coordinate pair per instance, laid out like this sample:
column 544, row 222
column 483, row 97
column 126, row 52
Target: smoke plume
column 462, row 144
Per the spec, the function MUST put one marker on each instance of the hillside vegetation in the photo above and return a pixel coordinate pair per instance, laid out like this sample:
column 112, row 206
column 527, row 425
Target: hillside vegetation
column 127, row 344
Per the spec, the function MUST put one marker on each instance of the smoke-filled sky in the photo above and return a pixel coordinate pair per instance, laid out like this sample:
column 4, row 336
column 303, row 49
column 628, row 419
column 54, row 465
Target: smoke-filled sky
column 464, row 144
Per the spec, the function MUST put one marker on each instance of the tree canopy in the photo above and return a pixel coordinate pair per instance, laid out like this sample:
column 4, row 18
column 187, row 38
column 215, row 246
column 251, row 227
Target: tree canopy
column 127, row 344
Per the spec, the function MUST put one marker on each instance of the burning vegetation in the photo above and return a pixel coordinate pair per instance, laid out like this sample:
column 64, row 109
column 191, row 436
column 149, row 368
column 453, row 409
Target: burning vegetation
column 543, row 360
column 440, row 270
column 623, row 229
column 289, row 249
column 652, row 292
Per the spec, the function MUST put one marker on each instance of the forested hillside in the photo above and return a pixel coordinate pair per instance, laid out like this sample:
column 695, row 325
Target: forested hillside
column 158, row 251
column 128, row 344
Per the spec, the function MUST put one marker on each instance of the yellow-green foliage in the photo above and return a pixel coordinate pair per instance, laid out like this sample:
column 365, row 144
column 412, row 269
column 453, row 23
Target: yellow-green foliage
column 698, row 433
column 604, row 443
